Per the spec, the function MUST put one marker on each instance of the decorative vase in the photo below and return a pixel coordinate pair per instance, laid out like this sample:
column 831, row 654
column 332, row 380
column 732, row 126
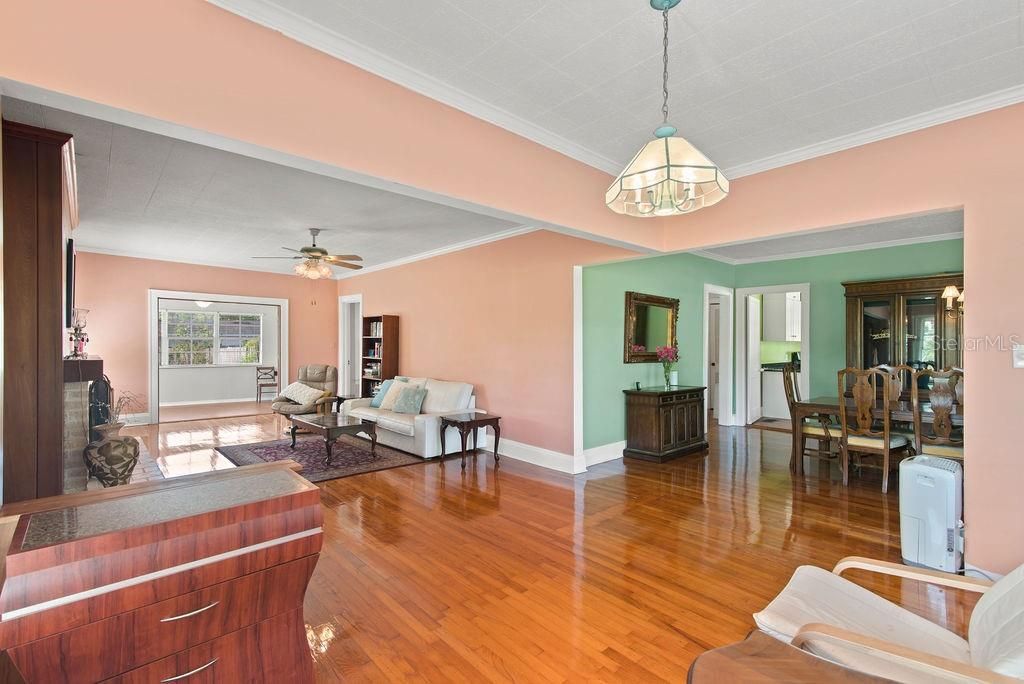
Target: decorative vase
column 673, row 378
column 112, row 458
column 668, row 375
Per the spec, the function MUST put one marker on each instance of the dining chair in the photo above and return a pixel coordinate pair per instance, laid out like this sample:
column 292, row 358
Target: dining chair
column 934, row 432
column 870, row 430
column 902, row 377
column 814, row 427
column 266, row 381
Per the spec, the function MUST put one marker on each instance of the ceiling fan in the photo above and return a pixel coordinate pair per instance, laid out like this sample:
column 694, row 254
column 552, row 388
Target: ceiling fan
column 316, row 262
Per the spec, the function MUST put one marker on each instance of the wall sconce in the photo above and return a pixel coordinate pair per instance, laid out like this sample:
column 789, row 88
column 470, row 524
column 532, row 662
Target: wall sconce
column 950, row 294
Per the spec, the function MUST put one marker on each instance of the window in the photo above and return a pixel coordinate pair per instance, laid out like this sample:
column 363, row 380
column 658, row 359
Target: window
column 239, row 338
column 199, row 338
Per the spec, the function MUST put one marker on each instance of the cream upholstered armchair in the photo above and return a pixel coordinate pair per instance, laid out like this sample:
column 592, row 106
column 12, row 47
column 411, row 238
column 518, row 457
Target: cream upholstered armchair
column 317, row 376
column 845, row 623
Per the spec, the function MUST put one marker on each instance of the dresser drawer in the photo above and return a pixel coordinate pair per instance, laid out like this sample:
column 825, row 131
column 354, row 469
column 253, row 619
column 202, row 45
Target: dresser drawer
column 118, row 644
column 272, row 651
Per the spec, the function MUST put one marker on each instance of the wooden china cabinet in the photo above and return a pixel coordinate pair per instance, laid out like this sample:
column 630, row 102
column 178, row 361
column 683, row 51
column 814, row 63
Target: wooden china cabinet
column 903, row 321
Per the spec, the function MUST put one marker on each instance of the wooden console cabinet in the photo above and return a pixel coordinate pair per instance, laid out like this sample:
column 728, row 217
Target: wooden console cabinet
column 663, row 423
column 198, row 578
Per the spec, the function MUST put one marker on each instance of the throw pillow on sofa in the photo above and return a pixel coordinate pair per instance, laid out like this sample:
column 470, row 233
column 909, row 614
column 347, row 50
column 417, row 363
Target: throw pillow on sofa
column 410, row 400
column 388, row 402
column 302, row 394
column 381, row 391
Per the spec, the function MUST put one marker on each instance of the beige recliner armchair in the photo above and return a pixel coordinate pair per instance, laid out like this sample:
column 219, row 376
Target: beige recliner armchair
column 317, row 376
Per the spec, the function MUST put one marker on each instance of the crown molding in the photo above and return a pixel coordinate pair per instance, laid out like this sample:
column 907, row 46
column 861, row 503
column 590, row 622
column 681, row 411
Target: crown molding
column 273, row 16
column 269, row 14
column 881, row 244
column 456, row 247
column 941, row 115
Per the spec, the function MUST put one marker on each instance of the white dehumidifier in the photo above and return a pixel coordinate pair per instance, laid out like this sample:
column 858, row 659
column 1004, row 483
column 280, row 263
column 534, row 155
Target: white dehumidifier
column 931, row 512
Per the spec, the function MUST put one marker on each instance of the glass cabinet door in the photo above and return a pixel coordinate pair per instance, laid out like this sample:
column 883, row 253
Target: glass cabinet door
column 921, row 334
column 876, row 324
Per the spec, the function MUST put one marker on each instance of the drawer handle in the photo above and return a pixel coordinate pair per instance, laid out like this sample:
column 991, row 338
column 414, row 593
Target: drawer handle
column 188, row 615
column 189, row 674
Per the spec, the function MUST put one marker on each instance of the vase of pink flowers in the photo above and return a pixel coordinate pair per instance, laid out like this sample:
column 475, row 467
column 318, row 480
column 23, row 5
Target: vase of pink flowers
column 668, row 356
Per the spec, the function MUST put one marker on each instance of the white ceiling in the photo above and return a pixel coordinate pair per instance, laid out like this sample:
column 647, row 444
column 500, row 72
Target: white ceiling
column 755, row 83
column 149, row 195
column 905, row 230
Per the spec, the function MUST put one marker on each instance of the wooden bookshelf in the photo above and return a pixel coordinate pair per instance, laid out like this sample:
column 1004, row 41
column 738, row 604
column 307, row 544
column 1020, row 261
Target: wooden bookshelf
column 379, row 352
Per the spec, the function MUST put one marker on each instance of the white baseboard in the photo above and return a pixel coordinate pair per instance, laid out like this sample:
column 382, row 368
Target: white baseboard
column 209, row 401
column 603, row 453
column 137, row 419
column 545, row 458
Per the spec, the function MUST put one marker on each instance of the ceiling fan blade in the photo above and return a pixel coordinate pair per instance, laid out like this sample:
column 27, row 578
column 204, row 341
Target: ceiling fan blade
column 289, row 249
column 342, row 264
column 262, row 257
column 343, row 257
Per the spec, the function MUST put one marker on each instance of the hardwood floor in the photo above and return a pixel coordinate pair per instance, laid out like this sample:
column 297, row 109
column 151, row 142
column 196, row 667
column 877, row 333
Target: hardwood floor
column 172, row 414
column 624, row 573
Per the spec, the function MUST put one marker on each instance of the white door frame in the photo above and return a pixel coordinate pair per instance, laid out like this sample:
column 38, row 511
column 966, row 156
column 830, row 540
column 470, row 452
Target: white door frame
column 344, row 340
column 726, row 340
column 154, row 323
column 804, row 378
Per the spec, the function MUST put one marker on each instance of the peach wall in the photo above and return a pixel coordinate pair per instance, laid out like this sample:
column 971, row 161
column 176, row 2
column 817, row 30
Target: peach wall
column 976, row 163
column 191, row 63
column 498, row 316
column 115, row 289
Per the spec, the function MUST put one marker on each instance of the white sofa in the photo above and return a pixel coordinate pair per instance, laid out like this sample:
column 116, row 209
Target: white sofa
column 421, row 434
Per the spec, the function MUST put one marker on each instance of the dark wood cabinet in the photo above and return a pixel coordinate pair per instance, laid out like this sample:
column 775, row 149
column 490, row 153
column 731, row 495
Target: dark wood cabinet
column 903, row 321
column 39, row 212
column 664, row 422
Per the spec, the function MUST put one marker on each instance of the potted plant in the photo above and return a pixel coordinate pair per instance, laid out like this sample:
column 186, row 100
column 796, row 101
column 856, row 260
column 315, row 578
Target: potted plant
column 668, row 356
column 112, row 458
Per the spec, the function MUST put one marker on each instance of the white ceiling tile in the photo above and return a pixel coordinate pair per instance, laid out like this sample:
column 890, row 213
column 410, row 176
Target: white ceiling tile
column 970, row 47
column 153, row 196
column 831, row 68
column 507, row 63
column 501, row 17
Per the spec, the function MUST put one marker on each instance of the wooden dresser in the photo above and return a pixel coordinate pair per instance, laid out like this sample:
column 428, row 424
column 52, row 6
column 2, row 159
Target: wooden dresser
column 664, row 422
column 194, row 579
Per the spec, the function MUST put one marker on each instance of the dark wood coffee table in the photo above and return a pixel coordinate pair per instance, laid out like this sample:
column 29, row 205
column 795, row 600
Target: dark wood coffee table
column 331, row 426
column 467, row 423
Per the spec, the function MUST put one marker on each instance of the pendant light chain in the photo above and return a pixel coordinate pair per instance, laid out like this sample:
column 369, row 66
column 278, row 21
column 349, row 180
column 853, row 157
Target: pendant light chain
column 664, row 72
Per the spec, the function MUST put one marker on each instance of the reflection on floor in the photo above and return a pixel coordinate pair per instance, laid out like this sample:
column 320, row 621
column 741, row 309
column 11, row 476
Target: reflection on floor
column 623, row 573
column 776, row 424
column 172, row 414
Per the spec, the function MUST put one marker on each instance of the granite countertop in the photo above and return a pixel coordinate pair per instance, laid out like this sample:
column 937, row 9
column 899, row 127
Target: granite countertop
column 153, row 507
column 777, row 367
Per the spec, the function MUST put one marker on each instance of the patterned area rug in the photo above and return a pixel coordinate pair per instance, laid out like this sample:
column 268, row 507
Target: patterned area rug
column 350, row 456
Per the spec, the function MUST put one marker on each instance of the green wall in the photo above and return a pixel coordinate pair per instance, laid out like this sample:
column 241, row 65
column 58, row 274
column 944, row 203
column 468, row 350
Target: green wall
column 828, row 302
column 683, row 276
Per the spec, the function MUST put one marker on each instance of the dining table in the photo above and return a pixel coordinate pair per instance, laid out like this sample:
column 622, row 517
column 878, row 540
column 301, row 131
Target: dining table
column 901, row 411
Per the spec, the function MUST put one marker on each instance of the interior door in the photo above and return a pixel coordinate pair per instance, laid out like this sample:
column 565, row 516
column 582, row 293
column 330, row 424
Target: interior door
column 713, row 320
column 352, row 334
column 754, row 410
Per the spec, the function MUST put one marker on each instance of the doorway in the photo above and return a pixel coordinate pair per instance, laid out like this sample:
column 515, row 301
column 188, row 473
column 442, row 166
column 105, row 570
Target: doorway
column 350, row 330
column 773, row 329
column 204, row 352
column 718, row 353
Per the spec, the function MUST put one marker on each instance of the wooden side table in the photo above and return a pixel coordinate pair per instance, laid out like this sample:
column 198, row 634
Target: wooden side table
column 470, row 422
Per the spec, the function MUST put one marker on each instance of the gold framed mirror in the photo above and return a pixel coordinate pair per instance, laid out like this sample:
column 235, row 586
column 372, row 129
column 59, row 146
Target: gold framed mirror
column 650, row 323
